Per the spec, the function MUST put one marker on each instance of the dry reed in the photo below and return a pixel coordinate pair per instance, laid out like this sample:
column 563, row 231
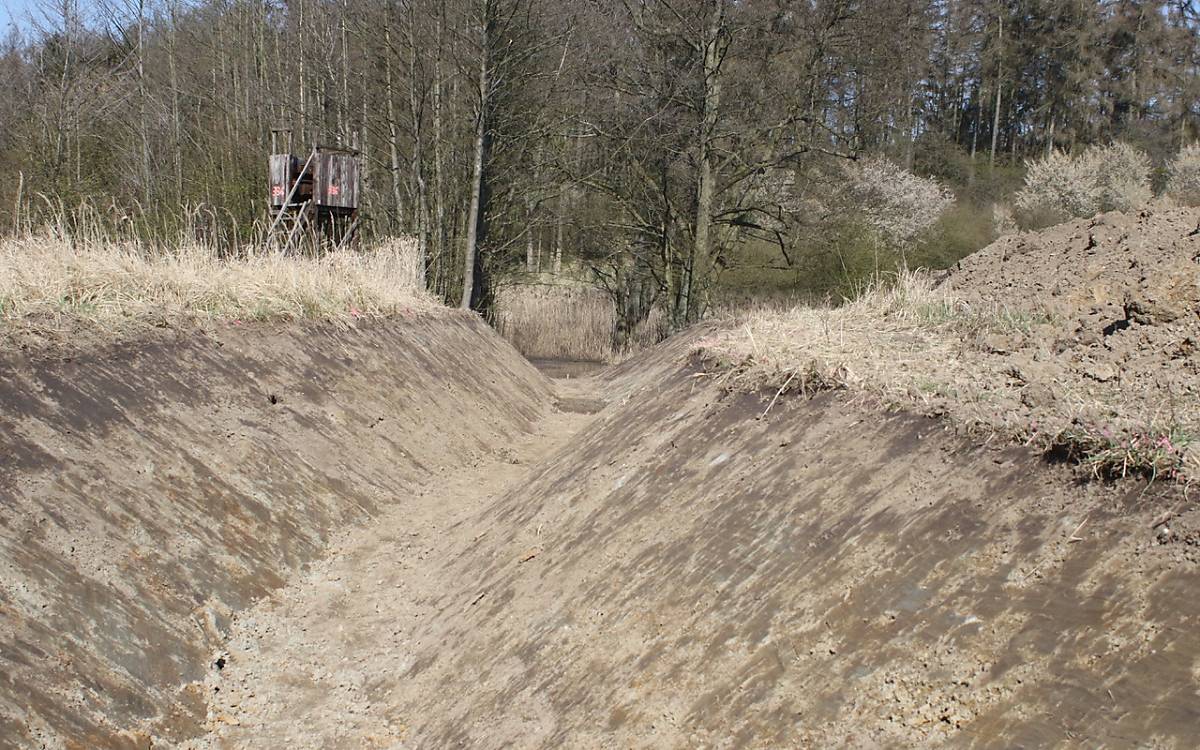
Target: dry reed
column 568, row 321
column 107, row 284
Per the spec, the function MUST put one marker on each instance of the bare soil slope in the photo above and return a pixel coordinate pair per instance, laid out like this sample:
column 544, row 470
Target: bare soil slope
column 150, row 491
column 688, row 566
column 689, row 573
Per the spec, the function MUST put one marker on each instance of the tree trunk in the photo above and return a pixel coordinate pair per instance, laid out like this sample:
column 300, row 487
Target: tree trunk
column 559, row 225
column 176, row 125
column 393, row 129
column 705, row 179
column 143, row 112
column 471, row 260
column 439, row 188
column 418, row 153
column 999, row 88
column 344, row 104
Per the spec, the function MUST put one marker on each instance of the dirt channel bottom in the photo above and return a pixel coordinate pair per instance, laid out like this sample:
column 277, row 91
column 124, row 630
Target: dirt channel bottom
column 317, row 666
column 567, row 368
column 684, row 572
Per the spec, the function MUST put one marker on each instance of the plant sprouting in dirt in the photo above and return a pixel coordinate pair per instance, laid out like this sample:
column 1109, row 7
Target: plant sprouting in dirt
column 1151, row 452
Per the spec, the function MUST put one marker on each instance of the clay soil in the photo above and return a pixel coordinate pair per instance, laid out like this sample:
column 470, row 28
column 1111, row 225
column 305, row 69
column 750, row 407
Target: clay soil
column 679, row 570
column 1112, row 337
column 320, row 664
column 404, row 536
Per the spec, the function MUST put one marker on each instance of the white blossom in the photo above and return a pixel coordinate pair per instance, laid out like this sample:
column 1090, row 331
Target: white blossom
column 1102, row 178
column 896, row 203
column 1183, row 176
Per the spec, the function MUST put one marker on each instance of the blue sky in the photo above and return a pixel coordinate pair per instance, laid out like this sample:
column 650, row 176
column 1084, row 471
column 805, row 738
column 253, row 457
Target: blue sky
column 19, row 12
column 14, row 11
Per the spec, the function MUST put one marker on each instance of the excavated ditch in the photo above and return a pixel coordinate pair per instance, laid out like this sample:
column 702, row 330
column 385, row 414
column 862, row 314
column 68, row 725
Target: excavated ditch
column 151, row 491
column 424, row 543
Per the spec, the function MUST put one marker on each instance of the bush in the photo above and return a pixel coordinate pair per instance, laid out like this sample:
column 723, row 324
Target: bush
column 1122, row 177
column 897, row 204
column 1183, row 176
column 937, row 155
column 960, row 231
column 1102, row 178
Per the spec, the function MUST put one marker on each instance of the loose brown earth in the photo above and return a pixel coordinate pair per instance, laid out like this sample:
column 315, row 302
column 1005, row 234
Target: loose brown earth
column 819, row 577
column 1080, row 340
column 150, row 490
column 1106, row 329
column 295, row 676
column 402, row 535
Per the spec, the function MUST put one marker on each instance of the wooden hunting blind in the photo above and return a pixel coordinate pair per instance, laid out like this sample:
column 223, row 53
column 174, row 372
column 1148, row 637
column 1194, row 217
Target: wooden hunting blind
column 314, row 198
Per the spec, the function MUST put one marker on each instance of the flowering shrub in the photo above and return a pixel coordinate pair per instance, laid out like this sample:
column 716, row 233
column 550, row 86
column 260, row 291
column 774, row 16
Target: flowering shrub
column 1102, row 178
column 1183, row 176
column 897, row 204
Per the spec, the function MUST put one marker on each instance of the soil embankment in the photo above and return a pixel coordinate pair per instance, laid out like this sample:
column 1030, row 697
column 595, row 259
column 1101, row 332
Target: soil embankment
column 686, row 572
column 634, row 558
column 151, row 491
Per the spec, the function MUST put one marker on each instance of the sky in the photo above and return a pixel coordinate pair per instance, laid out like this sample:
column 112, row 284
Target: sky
column 14, row 11
column 19, row 12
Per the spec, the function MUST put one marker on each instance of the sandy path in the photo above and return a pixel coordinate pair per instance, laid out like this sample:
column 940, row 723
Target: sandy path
column 315, row 666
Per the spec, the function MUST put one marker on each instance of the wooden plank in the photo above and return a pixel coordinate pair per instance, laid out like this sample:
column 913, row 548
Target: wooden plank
column 336, row 181
column 282, row 172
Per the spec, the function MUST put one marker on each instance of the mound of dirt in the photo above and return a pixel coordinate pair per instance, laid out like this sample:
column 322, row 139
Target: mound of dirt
column 1106, row 309
column 1081, row 340
column 1141, row 268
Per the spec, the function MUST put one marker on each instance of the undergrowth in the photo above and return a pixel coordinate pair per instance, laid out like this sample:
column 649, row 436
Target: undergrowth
column 1155, row 452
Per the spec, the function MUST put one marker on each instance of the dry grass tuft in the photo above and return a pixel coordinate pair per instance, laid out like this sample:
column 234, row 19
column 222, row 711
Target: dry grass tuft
column 561, row 320
column 911, row 343
column 108, row 285
column 868, row 342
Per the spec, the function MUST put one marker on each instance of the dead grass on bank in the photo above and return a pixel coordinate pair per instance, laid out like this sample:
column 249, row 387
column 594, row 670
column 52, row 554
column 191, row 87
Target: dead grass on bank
column 909, row 343
column 567, row 320
column 108, row 285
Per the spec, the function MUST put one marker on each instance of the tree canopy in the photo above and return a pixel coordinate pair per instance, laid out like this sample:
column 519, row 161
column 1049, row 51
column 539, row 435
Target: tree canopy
column 653, row 141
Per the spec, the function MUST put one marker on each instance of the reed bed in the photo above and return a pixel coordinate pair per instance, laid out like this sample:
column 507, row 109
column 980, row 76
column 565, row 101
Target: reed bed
column 568, row 321
column 108, row 284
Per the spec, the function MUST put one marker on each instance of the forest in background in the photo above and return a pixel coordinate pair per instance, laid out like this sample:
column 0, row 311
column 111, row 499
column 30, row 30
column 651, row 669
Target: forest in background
column 670, row 151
